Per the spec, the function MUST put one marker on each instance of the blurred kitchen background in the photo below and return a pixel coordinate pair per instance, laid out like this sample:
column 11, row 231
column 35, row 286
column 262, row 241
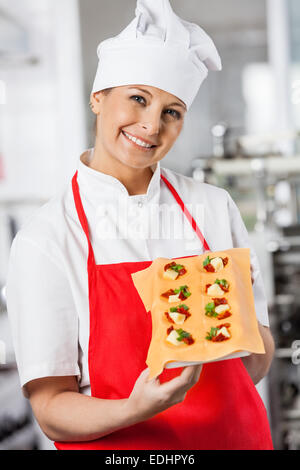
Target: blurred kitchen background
column 242, row 133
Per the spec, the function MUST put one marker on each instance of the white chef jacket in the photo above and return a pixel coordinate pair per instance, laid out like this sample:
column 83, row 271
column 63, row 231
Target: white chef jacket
column 47, row 282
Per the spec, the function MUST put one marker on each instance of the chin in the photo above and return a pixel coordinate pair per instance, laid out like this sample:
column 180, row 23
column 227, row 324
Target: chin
column 135, row 162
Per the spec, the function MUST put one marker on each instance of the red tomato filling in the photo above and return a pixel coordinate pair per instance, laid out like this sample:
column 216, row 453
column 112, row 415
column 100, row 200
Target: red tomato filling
column 168, row 293
column 209, row 267
column 187, row 340
column 180, row 271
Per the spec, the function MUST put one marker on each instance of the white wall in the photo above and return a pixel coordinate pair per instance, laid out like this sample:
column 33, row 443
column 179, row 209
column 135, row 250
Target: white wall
column 42, row 122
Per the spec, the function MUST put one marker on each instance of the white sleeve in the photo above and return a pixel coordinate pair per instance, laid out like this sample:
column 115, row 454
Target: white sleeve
column 241, row 239
column 43, row 319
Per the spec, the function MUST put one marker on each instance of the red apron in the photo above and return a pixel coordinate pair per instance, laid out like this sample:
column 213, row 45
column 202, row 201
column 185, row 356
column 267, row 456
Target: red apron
column 222, row 411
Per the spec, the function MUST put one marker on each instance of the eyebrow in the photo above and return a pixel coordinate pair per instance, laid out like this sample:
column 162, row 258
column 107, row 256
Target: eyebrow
column 148, row 92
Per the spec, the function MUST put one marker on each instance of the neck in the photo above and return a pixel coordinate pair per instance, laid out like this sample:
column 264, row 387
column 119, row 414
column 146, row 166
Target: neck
column 135, row 180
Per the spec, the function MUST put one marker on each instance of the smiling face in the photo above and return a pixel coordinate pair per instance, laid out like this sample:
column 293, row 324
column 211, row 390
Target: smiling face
column 137, row 124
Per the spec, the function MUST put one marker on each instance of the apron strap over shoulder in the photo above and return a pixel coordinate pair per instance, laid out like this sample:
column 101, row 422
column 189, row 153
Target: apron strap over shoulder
column 84, row 223
column 82, row 216
column 186, row 213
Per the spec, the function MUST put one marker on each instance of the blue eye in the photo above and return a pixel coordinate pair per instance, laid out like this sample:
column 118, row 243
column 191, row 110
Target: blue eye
column 173, row 113
column 139, row 97
column 176, row 114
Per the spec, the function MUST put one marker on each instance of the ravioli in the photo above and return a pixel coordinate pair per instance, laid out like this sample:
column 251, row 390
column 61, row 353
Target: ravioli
column 218, row 308
column 173, row 270
column 214, row 265
column 187, row 316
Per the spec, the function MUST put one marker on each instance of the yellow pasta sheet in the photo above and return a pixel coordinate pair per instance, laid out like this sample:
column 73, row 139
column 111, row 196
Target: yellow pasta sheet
column 244, row 331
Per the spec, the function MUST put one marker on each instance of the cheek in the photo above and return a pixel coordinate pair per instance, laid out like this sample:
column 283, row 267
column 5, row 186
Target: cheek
column 121, row 116
column 111, row 124
column 172, row 134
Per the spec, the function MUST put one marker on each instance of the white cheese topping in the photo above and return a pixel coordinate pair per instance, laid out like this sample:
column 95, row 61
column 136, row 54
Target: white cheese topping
column 172, row 338
column 215, row 289
column 170, row 274
column 217, row 263
column 174, row 298
column 177, row 317
column 222, row 308
column 224, row 332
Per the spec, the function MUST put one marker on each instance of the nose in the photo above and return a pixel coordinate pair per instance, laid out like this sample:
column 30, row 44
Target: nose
column 152, row 123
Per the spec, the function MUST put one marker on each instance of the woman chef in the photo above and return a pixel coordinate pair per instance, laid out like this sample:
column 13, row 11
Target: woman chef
column 80, row 330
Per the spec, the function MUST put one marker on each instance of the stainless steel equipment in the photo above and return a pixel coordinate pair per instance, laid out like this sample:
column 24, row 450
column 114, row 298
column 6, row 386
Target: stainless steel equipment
column 263, row 176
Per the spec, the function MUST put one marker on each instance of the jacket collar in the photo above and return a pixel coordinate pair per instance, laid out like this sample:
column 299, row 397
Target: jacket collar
column 97, row 180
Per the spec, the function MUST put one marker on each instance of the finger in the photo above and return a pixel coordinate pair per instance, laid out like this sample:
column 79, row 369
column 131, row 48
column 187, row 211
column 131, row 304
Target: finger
column 191, row 371
column 188, row 373
column 145, row 376
column 198, row 371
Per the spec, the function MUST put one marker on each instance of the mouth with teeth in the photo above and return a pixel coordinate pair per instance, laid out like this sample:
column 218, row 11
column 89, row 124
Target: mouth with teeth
column 138, row 143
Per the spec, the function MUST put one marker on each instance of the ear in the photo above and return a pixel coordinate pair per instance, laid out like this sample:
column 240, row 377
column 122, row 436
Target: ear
column 95, row 101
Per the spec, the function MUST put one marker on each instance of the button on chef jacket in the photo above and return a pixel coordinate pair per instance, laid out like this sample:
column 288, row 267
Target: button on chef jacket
column 47, row 282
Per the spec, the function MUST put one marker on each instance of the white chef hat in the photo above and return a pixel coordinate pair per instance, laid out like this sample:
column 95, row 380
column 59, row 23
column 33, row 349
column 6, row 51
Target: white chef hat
column 158, row 49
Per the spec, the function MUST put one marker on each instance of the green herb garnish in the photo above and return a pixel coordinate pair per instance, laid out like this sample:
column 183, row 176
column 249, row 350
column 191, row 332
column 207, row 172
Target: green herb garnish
column 212, row 333
column 175, row 309
column 181, row 288
column 184, row 290
column 177, row 267
column 210, row 310
column 183, row 306
column 223, row 282
column 182, row 334
column 206, row 261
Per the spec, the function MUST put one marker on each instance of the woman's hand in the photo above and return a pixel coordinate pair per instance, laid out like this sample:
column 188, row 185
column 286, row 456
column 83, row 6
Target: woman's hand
column 149, row 397
column 64, row 414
